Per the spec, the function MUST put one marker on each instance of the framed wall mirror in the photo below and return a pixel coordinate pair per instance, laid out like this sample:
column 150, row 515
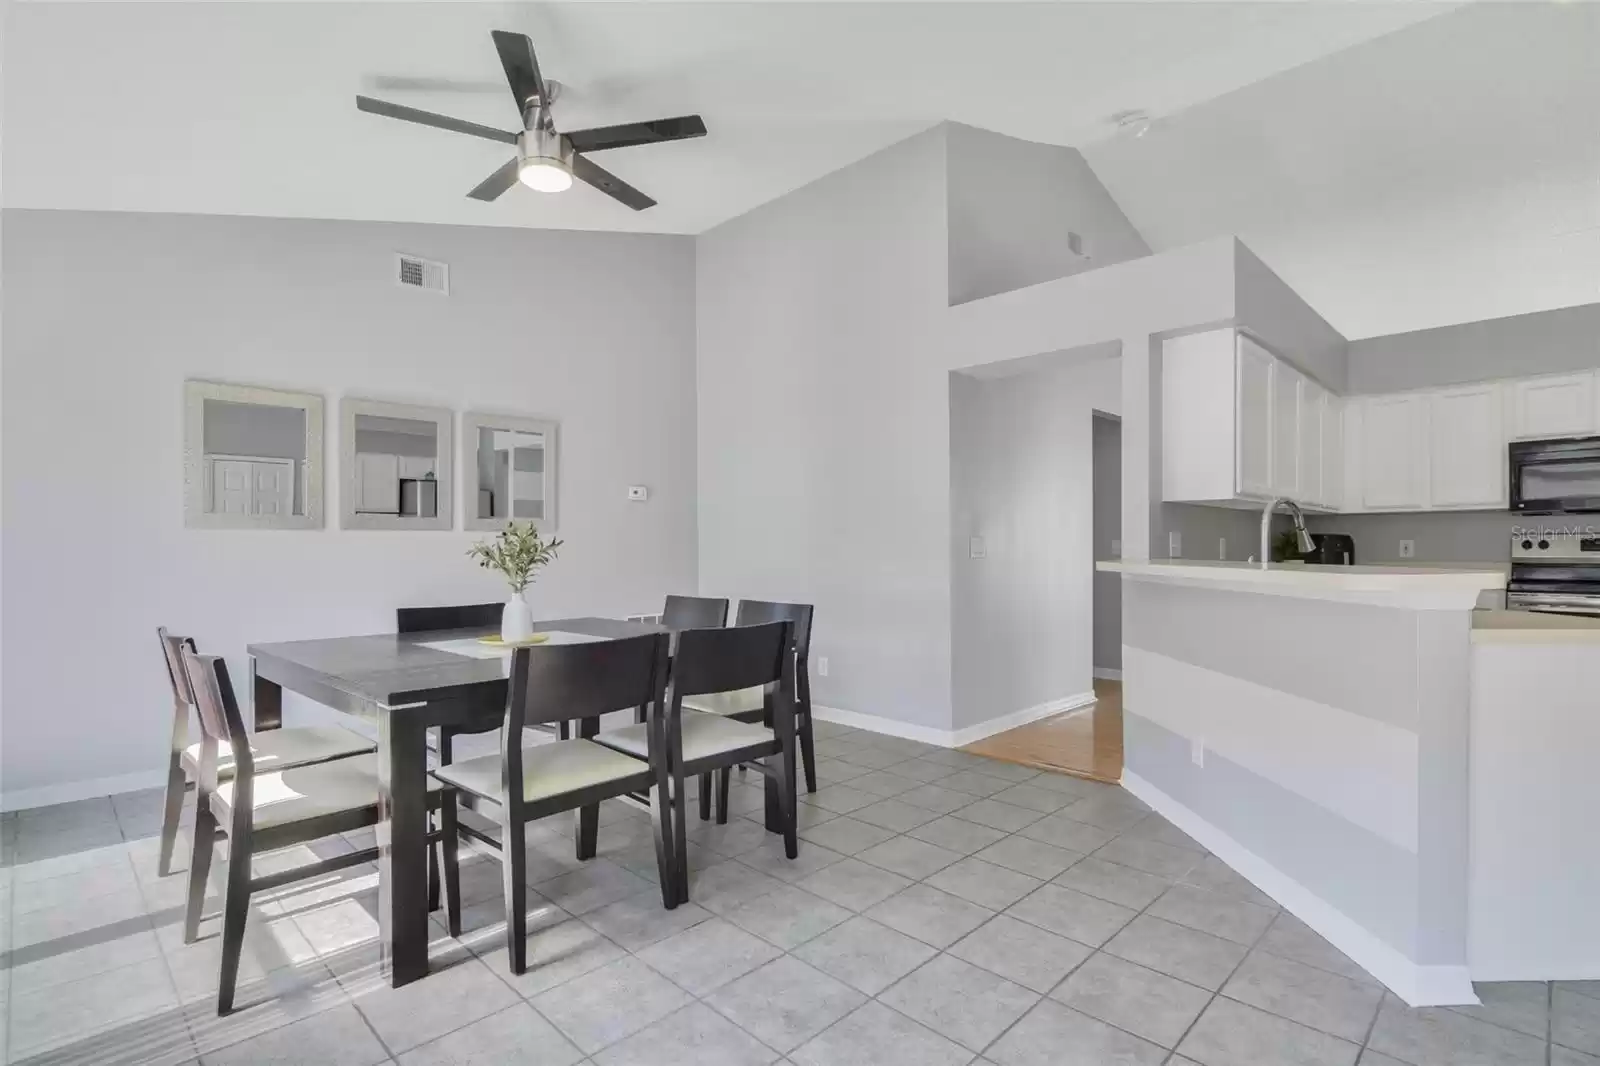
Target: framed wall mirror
column 508, row 471
column 252, row 458
column 395, row 466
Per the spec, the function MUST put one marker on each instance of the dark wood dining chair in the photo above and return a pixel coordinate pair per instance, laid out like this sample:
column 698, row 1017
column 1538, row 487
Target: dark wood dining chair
column 722, row 660
column 261, row 809
column 694, row 612
column 746, row 705
column 277, row 749
column 434, row 619
column 570, row 682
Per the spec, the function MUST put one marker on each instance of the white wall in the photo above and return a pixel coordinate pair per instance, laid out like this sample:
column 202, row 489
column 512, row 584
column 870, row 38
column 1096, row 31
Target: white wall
column 1022, row 479
column 104, row 317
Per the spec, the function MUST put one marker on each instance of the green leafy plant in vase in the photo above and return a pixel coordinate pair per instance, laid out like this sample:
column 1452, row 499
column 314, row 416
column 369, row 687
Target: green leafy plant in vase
column 517, row 553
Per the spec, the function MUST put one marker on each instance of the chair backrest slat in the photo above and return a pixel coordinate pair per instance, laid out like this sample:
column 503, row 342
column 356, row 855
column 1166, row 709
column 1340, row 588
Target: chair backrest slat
column 218, row 710
column 172, row 648
column 721, row 660
column 755, row 612
column 694, row 612
column 466, row 616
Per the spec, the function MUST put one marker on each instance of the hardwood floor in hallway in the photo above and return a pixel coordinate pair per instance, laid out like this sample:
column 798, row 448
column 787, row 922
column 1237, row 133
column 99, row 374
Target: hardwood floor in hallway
column 1083, row 743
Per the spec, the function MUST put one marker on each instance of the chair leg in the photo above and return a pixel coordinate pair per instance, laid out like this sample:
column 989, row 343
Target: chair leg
column 171, row 812
column 705, row 797
column 680, row 836
column 808, row 750
column 661, row 824
column 205, row 840
column 514, row 879
column 235, row 907
column 724, row 780
column 783, row 765
column 433, row 879
column 450, row 846
column 588, row 831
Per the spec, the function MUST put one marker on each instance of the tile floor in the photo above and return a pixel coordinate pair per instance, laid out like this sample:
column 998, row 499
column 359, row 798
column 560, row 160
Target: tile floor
column 946, row 908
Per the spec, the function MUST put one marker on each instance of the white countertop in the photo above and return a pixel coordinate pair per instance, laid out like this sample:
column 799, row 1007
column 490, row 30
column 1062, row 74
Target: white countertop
column 1415, row 587
column 1533, row 627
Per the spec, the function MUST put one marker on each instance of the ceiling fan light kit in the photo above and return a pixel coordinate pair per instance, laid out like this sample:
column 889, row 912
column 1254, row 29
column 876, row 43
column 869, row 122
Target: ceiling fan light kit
column 547, row 160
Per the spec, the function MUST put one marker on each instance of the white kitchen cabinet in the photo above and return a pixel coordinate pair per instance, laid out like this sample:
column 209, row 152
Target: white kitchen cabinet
column 1313, row 407
column 1561, row 405
column 1286, row 431
column 1333, row 494
column 1467, row 447
column 1394, row 452
column 377, row 483
column 1254, row 408
column 417, row 466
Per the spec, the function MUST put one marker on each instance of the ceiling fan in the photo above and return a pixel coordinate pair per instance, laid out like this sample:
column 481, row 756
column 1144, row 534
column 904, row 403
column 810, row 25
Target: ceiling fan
column 546, row 160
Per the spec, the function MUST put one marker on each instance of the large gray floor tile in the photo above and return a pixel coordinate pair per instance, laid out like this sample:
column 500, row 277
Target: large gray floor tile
column 997, row 815
column 1563, row 1056
column 589, row 1010
column 1520, row 1005
column 1440, row 1037
column 785, row 1003
column 984, row 883
column 1071, row 914
column 592, row 886
column 1575, row 1021
column 694, row 1036
column 337, row 1037
column 709, row 955
column 1063, row 832
column 788, row 917
column 1027, row 856
column 516, row 1036
column 1151, row 856
column 884, row 783
column 639, row 921
column 727, row 885
column 1128, row 996
column 854, row 884
column 1305, row 994
column 957, row 834
column 1155, row 827
column 1582, row 988
column 932, row 916
column 975, row 783
column 447, row 999
column 1053, row 1035
column 874, row 1035
column 1023, row 953
column 1293, row 939
column 955, row 999
column 892, row 814
column 556, row 953
column 839, row 799
column 1178, row 951
column 936, row 798
column 1043, row 800
column 865, row 955
column 909, row 857
column 738, row 836
column 71, row 1014
column 1211, row 912
column 846, row 835
column 1119, row 884
column 1232, row 1034
column 770, row 859
column 872, row 757
column 1218, row 876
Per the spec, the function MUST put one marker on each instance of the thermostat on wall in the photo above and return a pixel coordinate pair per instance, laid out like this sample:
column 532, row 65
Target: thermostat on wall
column 638, row 493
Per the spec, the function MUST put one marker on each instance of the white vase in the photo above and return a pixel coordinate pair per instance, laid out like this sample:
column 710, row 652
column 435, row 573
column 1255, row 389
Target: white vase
column 516, row 621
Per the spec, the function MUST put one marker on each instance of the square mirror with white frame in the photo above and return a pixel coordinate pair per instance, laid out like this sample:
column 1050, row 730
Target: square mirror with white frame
column 508, row 471
column 252, row 457
column 395, row 466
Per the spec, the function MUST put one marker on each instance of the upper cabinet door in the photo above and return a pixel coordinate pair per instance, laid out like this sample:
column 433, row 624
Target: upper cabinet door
column 1253, row 415
column 1558, row 406
column 1333, row 482
column 1286, row 431
column 1467, row 447
column 1313, row 411
column 1394, row 452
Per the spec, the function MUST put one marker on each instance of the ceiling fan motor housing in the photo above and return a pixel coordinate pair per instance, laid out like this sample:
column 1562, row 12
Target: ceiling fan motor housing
column 544, row 145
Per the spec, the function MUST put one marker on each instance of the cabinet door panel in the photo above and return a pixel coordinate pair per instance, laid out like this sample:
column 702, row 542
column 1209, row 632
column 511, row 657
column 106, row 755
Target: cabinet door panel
column 1312, row 410
column 1394, row 452
column 1253, row 411
column 1466, row 452
column 1556, row 406
column 1333, row 481
column 1285, row 430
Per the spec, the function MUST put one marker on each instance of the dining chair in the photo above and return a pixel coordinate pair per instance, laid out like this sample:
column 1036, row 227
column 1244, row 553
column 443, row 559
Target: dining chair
column 261, row 809
column 570, row 682
column 278, row 749
column 694, row 612
column 721, row 660
column 746, row 705
column 434, row 619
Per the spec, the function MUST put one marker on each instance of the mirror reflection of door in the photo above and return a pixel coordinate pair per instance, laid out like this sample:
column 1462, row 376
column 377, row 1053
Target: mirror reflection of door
column 254, row 456
column 511, row 475
column 396, row 466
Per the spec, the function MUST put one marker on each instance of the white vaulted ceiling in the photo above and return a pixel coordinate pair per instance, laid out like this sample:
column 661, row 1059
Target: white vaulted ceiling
column 246, row 108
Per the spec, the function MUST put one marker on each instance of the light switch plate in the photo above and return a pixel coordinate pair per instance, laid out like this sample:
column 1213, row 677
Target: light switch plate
column 638, row 493
column 1175, row 544
column 1408, row 549
column 977, row 548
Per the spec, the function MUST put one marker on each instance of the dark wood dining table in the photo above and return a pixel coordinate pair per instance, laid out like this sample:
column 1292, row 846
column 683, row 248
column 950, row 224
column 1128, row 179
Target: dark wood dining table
column 405, row 687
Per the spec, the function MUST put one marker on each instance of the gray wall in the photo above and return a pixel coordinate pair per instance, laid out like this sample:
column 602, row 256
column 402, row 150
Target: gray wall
column 106, row 314
column 1453, row 537
column 1200, row 529
column 1107, row 446
column 1286, row 323
column 1539, row 343
column 1011, row 206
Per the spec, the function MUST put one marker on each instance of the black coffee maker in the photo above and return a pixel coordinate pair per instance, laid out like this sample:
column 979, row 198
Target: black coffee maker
column 1332, row 549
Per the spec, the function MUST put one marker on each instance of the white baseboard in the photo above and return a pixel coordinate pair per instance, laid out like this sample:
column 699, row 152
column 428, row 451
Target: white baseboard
column 1105, row 674
column 24, row 798
column 951, row 738
column 1418, row 985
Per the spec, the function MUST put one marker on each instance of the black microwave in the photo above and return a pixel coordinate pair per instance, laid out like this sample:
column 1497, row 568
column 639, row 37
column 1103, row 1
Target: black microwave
column 1557, row 476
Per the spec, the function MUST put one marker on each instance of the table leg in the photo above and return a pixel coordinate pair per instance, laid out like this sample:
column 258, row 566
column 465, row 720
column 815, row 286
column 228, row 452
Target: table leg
column 267, row 700
column 402, row 847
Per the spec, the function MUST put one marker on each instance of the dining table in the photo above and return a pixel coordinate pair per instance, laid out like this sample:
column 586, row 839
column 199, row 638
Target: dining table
column 407, row 683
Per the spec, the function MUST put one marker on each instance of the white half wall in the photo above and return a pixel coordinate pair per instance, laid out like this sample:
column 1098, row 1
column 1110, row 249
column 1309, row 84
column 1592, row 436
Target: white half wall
column 104, row 317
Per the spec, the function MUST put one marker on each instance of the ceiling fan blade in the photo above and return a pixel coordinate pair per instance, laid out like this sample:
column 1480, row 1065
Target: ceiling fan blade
column 522, row 67
column 491, row 188
column 609, row 183
column 428, row 118
column 631, row 133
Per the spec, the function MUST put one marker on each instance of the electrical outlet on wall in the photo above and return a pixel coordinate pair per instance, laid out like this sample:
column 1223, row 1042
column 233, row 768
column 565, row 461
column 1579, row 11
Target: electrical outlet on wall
column 822, row 666
column 1408, row 549
column 1175, row 544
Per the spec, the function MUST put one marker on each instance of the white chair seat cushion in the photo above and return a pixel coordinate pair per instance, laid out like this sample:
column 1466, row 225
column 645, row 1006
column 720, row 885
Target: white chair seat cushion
column 704, row 735
column 306, row 792
column 547, row 770
column 280, row 749
column 738, row 701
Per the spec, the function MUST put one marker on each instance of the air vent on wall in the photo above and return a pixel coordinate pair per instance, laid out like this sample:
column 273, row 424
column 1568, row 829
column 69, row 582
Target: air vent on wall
column 415, row 273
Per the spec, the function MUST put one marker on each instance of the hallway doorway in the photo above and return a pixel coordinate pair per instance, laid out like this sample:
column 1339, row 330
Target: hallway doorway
column 1085, row 743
